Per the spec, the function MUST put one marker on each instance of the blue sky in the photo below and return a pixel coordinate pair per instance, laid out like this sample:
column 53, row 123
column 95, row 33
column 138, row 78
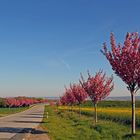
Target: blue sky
column 45, row 44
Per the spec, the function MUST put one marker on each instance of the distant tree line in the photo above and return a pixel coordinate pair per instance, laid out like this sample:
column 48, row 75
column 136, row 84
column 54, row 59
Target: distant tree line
column 20, row 101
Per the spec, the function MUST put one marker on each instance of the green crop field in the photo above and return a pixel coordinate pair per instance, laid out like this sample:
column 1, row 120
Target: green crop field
column 7, row 111
column 120, row 104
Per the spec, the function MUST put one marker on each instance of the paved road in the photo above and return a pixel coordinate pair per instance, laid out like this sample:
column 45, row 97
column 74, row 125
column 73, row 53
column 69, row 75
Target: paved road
column 16, row 126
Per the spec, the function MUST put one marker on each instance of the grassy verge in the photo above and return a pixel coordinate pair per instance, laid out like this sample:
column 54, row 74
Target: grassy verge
column 8, row 111
column 64, row 125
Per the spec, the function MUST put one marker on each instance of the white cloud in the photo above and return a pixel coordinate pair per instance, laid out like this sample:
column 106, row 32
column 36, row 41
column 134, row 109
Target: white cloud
column 65, row 64
column 57, row 63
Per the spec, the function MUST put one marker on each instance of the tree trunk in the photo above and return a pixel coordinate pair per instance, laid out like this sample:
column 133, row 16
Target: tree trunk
column 71, row 109
column 133, row 113
column 57, row 108
column 79, row 110
column 95, row 107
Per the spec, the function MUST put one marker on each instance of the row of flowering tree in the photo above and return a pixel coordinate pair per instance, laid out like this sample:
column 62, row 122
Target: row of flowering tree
column 96, row 87
column 21, row 101
column 74, row 95
column 125, row 62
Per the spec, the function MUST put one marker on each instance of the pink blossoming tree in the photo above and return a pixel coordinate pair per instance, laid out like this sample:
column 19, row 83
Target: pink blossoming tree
column 98, row 87
column 71, row 100
column 125, row 61
column 63, row 100
column 79, row 94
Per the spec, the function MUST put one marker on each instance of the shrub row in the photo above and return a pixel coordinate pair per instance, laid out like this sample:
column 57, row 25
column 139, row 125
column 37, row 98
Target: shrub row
column 20, row 101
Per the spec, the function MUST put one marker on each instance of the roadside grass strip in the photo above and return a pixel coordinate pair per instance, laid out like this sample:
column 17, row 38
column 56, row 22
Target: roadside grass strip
column 63, row 124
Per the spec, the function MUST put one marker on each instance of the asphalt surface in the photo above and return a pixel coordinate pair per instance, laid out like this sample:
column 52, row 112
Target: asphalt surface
column 20, row 125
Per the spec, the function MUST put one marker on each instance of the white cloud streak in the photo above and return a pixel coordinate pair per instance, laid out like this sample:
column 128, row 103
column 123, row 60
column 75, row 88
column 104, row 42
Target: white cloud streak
column 57, row 63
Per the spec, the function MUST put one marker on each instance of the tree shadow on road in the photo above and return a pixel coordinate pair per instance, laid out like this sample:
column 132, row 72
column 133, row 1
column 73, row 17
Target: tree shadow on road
column 35, row 114
column 32, row 117
column 21, row 130
column 28, row 122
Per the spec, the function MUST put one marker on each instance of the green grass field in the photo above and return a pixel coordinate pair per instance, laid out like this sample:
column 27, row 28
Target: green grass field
column 8, row 111
column 66, row 125
column 120, row 104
